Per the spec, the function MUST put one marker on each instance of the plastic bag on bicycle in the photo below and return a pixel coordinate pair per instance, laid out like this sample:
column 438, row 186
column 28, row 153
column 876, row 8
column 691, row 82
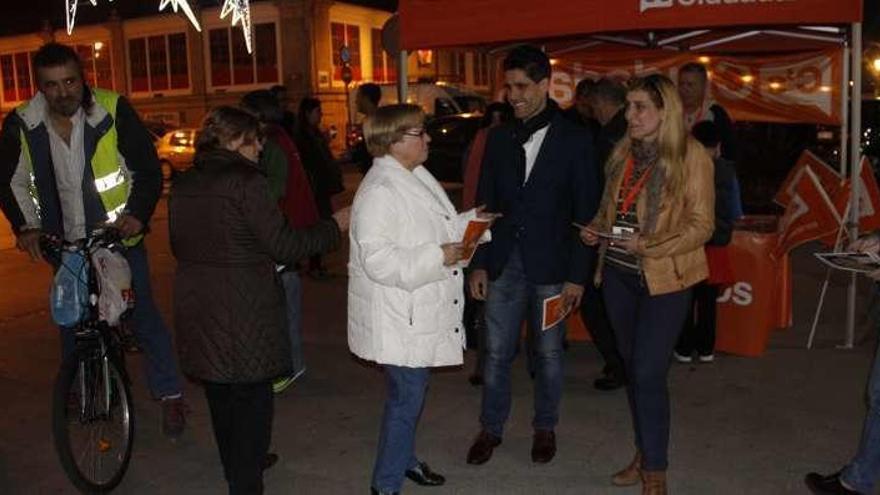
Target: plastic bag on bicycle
column 69, row 296
column 114, row 282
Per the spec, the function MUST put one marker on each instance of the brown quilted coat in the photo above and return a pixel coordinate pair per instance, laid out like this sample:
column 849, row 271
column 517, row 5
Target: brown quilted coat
column 227, row 235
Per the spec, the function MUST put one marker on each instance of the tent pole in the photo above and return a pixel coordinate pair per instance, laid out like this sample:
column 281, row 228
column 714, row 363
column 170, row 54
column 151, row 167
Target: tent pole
column 844, row 113
column 402, row 76
column 855, row 170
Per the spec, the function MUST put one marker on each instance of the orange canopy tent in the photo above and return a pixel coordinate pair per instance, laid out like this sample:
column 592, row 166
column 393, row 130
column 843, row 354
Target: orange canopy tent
column 440, row 23
column 753, row 26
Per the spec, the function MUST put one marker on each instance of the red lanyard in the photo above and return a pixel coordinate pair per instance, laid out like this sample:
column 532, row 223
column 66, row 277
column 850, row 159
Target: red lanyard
column 632, row 191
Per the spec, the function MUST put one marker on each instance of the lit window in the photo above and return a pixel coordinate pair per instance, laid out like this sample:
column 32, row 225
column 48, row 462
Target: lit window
column 158, row 63
column 232, row 65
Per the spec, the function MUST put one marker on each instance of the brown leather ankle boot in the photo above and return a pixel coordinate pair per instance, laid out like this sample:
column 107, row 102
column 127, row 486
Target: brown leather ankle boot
column 629, row 475
column 653, row 482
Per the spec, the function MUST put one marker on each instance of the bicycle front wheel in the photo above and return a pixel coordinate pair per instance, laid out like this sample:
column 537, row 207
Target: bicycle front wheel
column 92, row 422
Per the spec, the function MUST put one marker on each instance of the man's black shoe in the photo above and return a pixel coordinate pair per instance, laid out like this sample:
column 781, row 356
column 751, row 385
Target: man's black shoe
column 827, row 485
column 373, row 491
column 608, row 382
column 481, row 450
column 423, row 475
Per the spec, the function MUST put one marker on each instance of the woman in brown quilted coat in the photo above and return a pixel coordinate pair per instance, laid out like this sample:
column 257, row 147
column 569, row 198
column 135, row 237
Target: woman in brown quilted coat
column 228, row 237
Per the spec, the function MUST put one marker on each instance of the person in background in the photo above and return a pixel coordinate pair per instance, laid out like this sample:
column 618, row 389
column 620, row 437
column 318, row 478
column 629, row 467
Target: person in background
column 693, row 87
column 698, row 334
column 288, row 119
column 655, row 216
column 862, row 474
column 608, row 102
column 366, row 102
column 581, row 111
column 539, row 172
column 289, row 189
column 405, row 284
column 324, row 175
column 497, row 113
column 228, row 235
column 73, row 159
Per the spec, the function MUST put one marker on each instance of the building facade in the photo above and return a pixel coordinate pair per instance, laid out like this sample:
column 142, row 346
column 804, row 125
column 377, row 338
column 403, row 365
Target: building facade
column 174, row 74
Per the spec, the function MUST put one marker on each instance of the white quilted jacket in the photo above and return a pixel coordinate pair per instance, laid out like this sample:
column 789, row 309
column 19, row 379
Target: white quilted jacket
column 404, row 306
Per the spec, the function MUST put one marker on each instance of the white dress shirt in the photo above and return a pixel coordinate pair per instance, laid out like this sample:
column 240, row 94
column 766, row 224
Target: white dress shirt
column 532, row 147
column 69, row 162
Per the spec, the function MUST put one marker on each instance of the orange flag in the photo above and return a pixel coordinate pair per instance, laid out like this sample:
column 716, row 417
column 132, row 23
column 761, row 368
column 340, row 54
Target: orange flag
column 810, row 215
column 830, row 180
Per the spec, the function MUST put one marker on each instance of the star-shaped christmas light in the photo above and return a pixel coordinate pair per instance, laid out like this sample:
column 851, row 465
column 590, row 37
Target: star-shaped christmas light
column 241, row 11
column 184, row 6
column 71, row 12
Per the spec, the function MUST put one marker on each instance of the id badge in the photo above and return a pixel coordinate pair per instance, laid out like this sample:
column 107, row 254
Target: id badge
column 621, row 231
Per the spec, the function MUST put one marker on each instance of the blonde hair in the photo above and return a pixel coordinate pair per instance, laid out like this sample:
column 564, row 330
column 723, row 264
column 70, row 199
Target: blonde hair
column 387, row 125
column 672, row 138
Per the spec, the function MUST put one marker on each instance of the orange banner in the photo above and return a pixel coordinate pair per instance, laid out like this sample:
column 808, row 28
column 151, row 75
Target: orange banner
column 760, row 299
column 785, row 88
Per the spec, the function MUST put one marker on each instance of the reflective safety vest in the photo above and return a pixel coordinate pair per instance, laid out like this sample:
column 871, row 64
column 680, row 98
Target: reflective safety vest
column 111, row 181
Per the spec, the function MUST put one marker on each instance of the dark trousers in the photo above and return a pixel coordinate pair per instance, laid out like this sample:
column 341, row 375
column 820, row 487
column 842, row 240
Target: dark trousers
column 647, row 328
column 699, row 326
column 596, row 317
column 241, row 415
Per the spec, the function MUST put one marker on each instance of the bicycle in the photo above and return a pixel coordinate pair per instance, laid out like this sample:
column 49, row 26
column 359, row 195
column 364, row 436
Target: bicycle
column 92, row 408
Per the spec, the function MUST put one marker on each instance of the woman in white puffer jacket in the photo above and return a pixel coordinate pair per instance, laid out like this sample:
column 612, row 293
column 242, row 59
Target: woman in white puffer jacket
column 405, row 289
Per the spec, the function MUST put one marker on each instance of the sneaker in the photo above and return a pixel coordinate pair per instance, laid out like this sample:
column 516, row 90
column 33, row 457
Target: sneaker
column 281, row 384
column 173, row 417
column 706, row 358
column 681, row 358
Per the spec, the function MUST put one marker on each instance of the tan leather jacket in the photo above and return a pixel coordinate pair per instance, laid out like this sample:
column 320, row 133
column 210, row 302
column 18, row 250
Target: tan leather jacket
column 672, row 255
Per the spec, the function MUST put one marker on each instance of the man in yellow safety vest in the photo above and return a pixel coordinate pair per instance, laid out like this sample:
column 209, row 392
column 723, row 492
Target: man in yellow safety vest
column 73, row 159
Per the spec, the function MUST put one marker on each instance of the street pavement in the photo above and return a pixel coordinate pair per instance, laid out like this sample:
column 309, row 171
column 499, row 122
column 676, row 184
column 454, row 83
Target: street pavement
column 740, row 425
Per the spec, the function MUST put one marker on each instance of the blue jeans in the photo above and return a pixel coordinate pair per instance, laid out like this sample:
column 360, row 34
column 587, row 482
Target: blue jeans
column 403, row 406
column 511, row 299
column 149, row 329
column 293, row 294
column 647, row 328
column 863, row 472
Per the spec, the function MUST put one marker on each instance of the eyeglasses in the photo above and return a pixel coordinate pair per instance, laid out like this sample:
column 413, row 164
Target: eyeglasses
column 419, row 133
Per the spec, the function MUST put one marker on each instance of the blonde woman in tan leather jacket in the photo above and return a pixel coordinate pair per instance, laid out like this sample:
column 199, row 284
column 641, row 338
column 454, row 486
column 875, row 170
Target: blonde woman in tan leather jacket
column 656, row 214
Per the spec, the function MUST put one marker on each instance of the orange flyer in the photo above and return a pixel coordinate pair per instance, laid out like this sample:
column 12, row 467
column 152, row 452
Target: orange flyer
column 475, row 229
column 554, row 312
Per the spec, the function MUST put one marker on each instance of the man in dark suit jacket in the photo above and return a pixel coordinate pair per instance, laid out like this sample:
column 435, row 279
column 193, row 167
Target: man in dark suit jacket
column 539, row 173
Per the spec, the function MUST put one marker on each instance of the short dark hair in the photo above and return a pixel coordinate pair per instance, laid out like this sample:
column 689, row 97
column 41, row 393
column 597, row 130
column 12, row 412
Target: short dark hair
column 54, row 54
column 264, row 104
column 610, row 91
column 584, row 87
column 706, row 132
column 306, row 106
column 695, row 68
column 225, row 124
column 372, row 92
column 530, row 59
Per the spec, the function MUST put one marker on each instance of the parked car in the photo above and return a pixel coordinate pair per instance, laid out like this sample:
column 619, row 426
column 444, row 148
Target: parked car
column 176, row 150
column 450, row 138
